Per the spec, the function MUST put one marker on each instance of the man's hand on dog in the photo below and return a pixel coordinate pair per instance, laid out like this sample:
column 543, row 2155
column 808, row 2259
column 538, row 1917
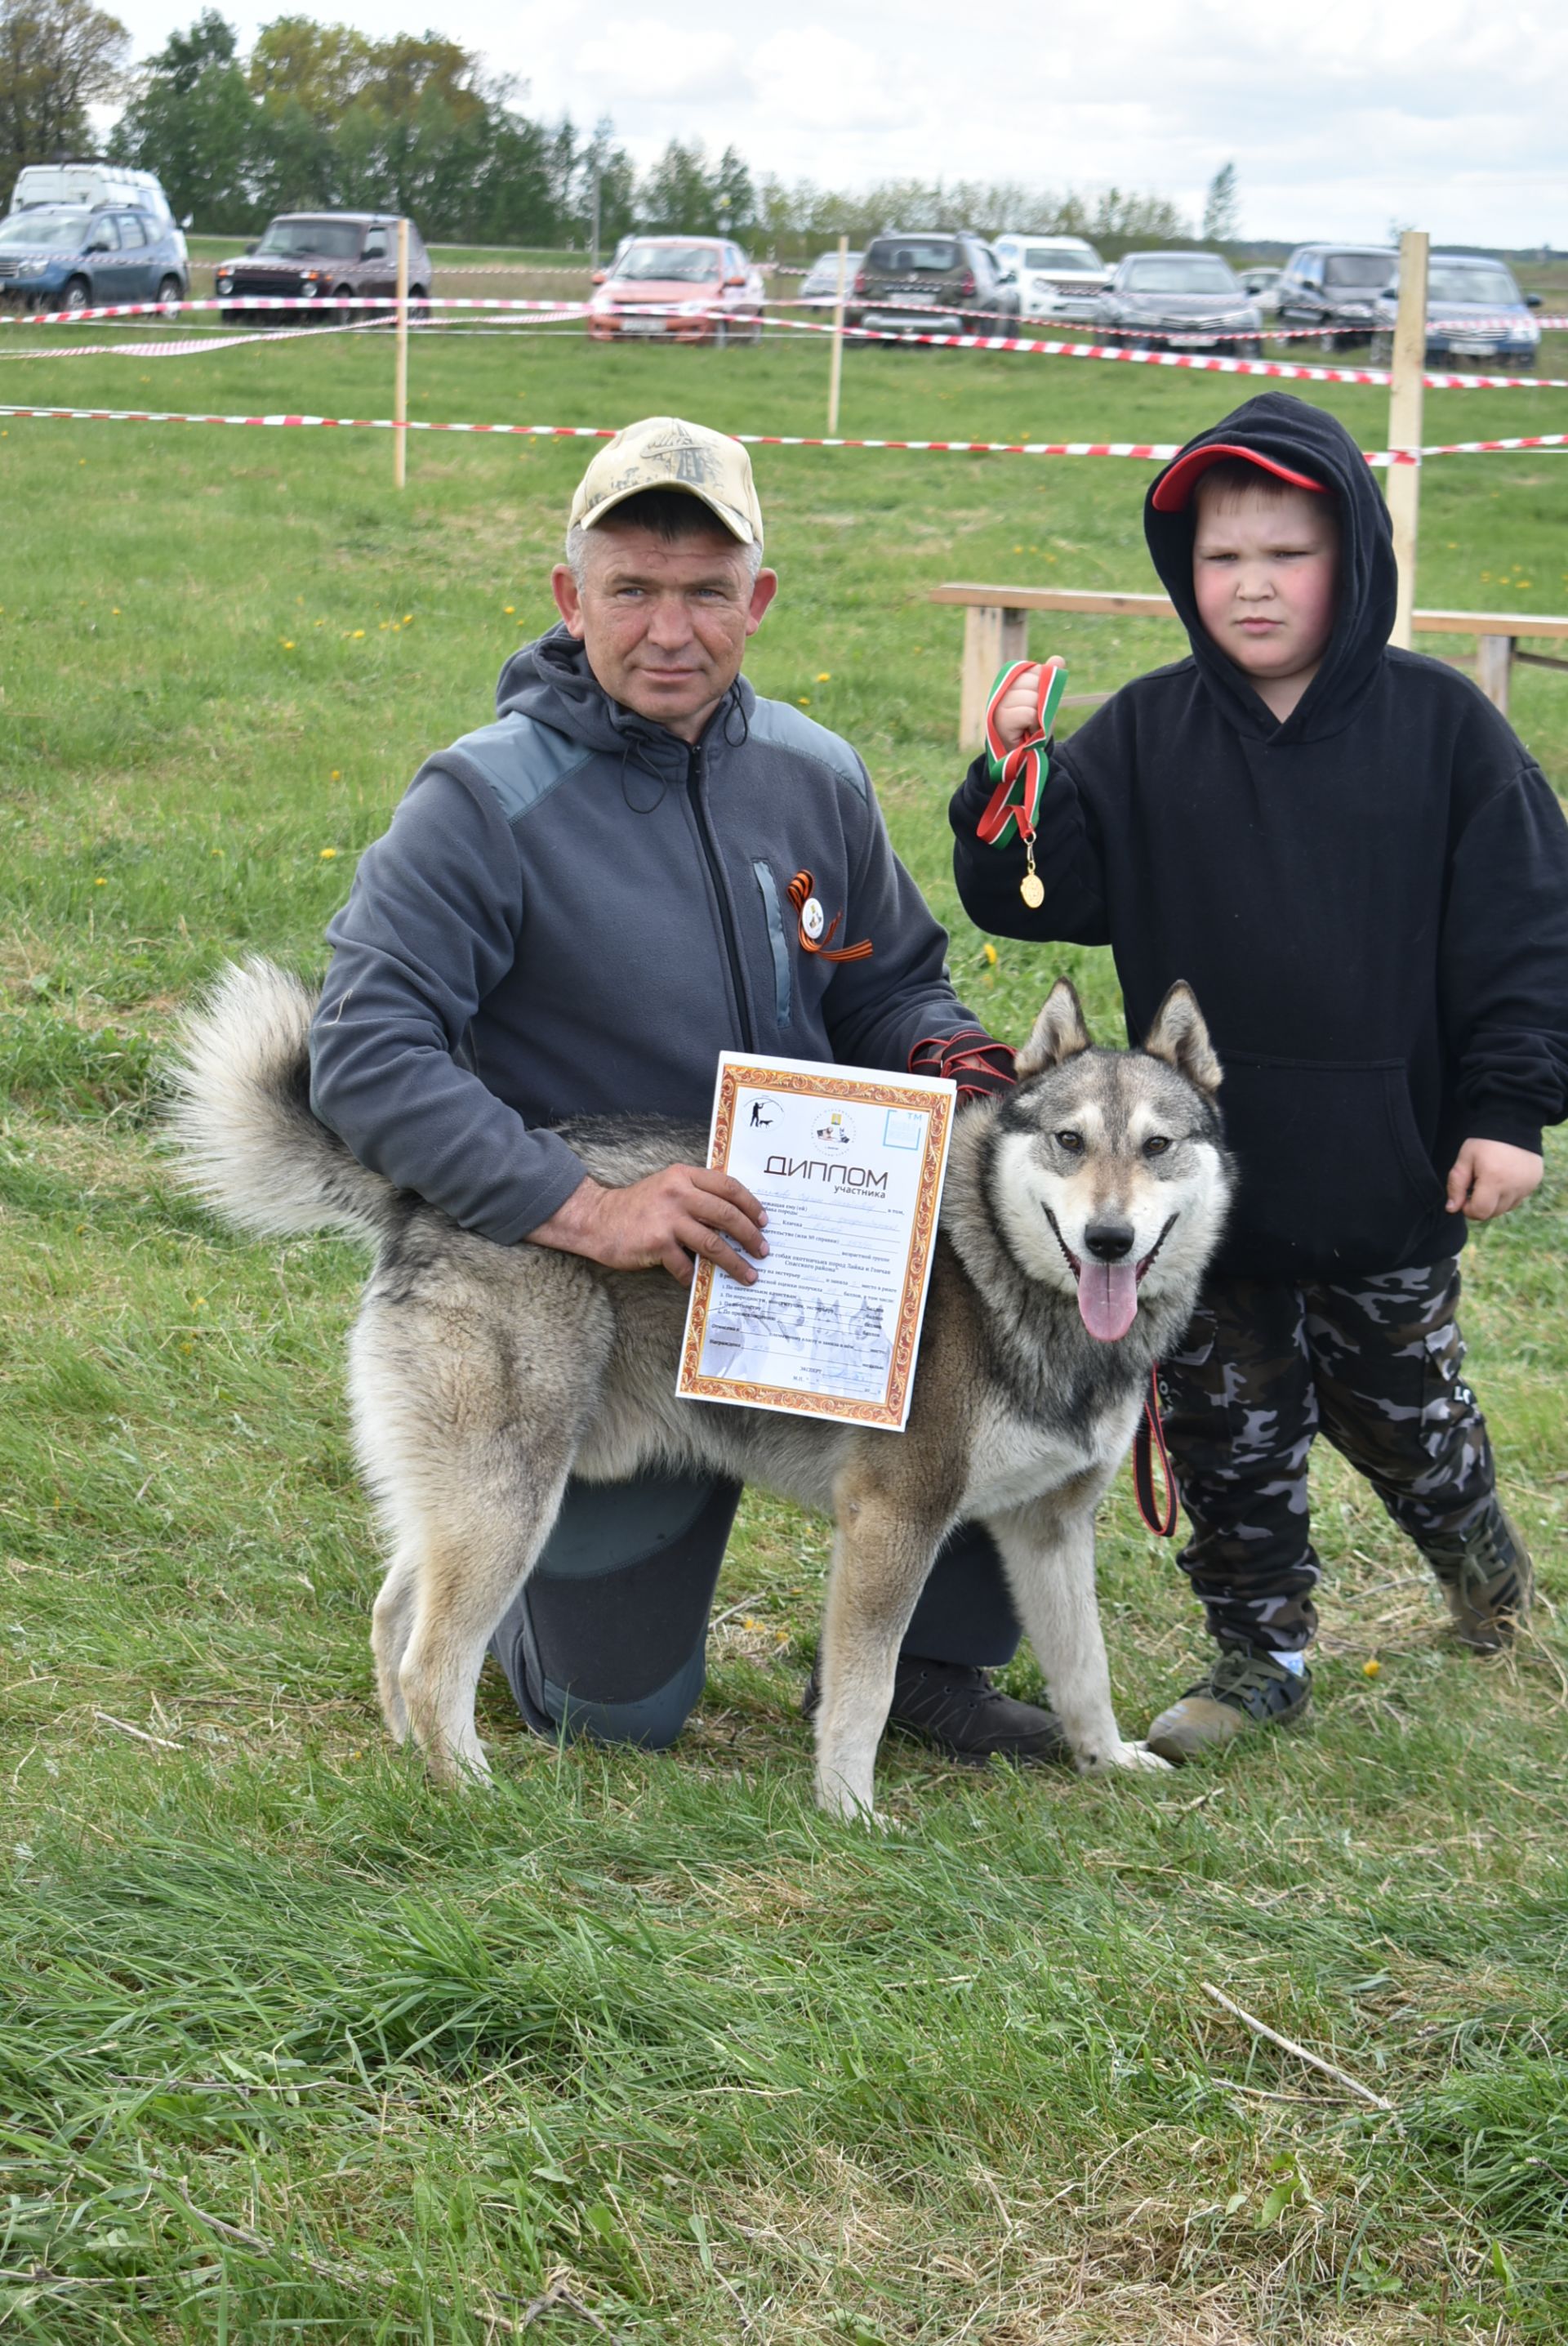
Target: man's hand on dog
column 667, row 1220
column 1015, row 713
column 1491, row 1177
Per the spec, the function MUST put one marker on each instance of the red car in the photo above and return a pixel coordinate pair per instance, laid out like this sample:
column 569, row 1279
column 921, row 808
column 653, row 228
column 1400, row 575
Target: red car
column 683, row 289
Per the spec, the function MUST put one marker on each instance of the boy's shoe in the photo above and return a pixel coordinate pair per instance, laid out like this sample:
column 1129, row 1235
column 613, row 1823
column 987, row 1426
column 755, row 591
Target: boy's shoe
column 1486, row 1577
column 1243, row 1689
column 954, row 1706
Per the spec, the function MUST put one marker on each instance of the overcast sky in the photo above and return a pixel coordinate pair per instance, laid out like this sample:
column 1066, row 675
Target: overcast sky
column 1340, row 117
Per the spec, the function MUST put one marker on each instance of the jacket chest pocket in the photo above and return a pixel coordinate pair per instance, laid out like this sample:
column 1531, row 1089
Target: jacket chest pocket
column 774, row 910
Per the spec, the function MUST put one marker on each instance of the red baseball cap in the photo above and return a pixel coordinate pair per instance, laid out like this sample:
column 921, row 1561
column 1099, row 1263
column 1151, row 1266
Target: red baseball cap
column 1173, row 490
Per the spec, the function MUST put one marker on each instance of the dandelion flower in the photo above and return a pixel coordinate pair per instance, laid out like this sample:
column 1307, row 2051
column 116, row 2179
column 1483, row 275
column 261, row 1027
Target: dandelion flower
column 199, row 1302
column 408, row 618
column 989, row 952
column 335, row 775
column 100, row 884
column 288, row 643
column 804, row 702
column 1371, row 1670
column 113, row 611
column 358, row 633
column 327, row 855
column 825, row 677
column 507, row 610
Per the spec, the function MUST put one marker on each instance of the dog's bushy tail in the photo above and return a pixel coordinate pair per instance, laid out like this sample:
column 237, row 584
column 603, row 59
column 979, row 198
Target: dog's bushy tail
column 241, row 1119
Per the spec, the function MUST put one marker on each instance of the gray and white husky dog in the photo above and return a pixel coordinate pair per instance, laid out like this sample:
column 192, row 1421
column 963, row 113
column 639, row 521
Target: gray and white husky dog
column 1080, row 1211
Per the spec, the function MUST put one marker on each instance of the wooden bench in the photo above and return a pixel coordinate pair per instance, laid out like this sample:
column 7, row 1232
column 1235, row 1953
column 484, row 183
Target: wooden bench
column 996, row 629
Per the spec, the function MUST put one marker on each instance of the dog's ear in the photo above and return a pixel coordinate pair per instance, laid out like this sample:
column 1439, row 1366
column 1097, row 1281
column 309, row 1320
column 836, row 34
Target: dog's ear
column 1179, row 1036
column 1059, row 1033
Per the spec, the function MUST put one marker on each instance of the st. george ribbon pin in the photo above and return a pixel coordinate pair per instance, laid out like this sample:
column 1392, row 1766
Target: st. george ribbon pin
column 1019, row 773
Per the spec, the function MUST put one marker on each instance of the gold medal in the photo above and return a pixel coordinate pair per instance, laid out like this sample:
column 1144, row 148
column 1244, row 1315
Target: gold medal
column 1031, row 888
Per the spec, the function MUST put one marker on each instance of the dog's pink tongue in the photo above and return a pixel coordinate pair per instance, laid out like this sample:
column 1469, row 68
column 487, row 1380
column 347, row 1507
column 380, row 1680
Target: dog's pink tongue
column 1108, row 1299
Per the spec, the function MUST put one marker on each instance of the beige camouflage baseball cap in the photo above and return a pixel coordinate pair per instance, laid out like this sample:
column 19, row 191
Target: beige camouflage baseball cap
column 663, row 451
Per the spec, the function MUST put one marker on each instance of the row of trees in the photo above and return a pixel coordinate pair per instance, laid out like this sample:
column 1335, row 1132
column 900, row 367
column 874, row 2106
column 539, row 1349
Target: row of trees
column 323, row 115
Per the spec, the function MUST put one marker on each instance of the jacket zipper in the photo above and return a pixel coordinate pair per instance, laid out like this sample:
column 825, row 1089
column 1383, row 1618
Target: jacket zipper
column 716, row 873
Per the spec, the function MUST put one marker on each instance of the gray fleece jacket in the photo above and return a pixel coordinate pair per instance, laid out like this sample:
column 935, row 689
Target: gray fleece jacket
column 573, row 912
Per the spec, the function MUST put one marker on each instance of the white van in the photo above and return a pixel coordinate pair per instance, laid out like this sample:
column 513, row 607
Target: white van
column 93, row 183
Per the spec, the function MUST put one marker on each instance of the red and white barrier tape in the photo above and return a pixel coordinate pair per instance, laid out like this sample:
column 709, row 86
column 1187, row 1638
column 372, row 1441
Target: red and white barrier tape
column 1485, row 447
column 1153, row 452
column 196, row 346
column 1328, row 333
column 270, row 303
column 1194, row 361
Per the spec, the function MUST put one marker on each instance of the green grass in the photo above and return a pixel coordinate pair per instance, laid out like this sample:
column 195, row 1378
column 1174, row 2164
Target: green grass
column 294, row 2047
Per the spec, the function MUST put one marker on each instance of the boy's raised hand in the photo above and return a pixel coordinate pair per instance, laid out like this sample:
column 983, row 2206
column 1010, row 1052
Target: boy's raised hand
column 1490, row 1177
column 1015, row 715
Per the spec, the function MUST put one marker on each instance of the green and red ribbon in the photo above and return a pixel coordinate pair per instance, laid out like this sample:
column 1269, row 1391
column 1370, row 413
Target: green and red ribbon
column 1019, row 774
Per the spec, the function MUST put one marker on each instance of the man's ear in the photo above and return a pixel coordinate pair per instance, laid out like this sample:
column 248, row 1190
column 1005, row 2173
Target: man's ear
column 1180, row 1038
column 1059, row 1033
column 763, row 588
column 568, row 598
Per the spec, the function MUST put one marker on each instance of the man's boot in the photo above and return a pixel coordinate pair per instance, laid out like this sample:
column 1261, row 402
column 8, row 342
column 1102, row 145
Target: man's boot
column 1243, row 1689
column 955, row 1707
column 1486, row 1577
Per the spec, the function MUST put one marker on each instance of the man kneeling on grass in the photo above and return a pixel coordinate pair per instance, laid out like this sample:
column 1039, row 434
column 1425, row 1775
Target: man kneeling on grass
column 638, row 865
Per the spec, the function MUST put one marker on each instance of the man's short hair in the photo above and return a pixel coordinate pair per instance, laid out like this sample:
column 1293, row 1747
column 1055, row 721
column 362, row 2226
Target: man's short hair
column 671, row 516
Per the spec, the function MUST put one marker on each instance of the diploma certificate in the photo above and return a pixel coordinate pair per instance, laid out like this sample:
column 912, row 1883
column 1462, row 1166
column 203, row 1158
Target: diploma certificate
column 848, row 1162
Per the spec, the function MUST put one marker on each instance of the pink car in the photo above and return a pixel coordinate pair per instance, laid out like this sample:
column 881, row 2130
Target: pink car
column 684, row 289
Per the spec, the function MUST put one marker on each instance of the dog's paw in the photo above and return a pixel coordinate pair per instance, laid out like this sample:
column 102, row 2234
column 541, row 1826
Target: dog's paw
column 835, row 1798
column 1118, row 1758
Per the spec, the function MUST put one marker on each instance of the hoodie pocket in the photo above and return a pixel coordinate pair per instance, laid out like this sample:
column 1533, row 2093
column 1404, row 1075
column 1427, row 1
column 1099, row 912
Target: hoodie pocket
column 1333, row 1171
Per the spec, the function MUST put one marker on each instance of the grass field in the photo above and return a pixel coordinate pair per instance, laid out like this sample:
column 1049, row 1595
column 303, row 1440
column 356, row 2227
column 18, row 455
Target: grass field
column 294, row 2047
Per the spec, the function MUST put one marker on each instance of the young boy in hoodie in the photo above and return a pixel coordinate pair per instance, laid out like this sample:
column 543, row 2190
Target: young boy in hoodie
column 1364, row 875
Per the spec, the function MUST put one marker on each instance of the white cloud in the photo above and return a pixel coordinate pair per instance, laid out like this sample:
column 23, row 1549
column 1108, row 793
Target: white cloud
column 817, row 80
column 647, row 57
column 1447, row 112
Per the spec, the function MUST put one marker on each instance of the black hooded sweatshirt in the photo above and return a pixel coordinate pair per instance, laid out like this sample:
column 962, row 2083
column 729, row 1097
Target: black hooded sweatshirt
column 1370, row 900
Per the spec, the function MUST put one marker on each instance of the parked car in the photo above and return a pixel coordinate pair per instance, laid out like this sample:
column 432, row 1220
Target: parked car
column 685, row 289
column 1263, row 285
column 89, row 185
column 323, row 257
column 1474, row 310
column 1335, row 287
column 820, row 282
column 1057, row 276
column 1185, row 301
column 81, row 257
column 930, row 281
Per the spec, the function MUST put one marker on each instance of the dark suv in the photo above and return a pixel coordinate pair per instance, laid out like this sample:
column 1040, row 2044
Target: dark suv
column 1334, row 288
column 928, row 282
column 322, row 256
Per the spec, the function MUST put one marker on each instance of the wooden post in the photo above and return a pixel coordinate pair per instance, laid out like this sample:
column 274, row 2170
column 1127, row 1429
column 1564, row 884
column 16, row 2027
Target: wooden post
column 993, row 634
column 1404, row 489
column 400, row 381
column 835, row 363
column 1493, row 661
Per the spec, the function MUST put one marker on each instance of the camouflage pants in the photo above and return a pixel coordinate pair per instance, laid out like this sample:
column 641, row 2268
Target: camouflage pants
column 1376, row 1366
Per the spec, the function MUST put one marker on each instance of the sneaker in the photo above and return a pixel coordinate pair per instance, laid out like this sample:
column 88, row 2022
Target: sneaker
column 1486, row 1577
column 954, row 1706
column 1244, row 1688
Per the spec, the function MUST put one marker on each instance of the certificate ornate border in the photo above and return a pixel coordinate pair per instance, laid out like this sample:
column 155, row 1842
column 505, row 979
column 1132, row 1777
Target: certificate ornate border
column 828, row 1083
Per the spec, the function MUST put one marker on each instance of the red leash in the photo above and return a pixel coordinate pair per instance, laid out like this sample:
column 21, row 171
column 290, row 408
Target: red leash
column 1150, row 1437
